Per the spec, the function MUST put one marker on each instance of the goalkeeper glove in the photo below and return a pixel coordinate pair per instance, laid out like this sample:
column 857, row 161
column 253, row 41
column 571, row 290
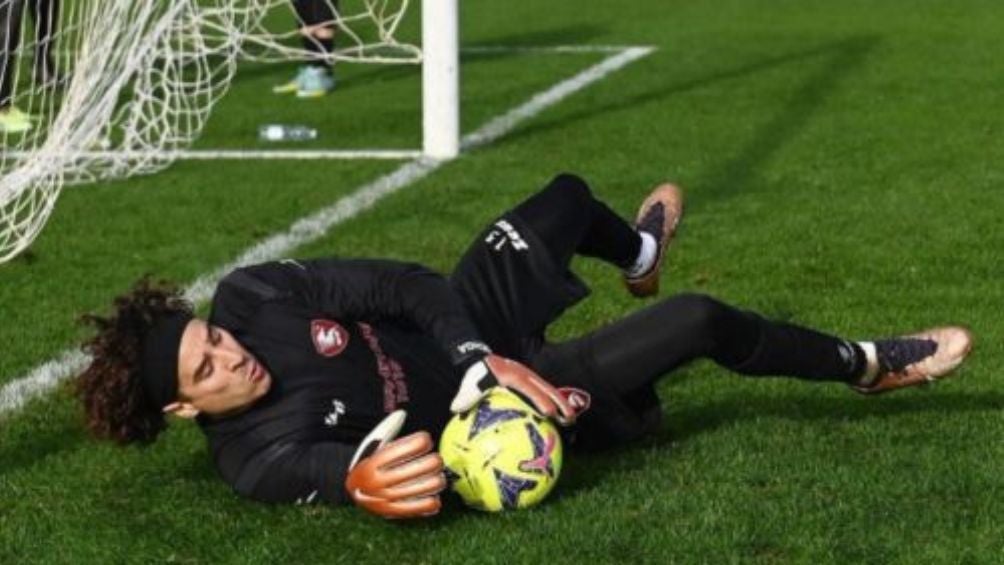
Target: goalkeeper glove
column 495, row 371
column 396, row 479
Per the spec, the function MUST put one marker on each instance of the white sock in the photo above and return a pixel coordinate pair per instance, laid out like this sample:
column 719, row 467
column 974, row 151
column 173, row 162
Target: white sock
column 871, row 364
column 646, row 256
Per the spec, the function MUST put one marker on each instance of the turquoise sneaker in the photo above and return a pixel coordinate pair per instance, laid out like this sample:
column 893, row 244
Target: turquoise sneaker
column 315, row 82
column 292, row 85
column 13, row 120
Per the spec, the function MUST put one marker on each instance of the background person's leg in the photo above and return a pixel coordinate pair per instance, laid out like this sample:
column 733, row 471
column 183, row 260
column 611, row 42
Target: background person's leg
column 45, row 14
column 314, row 78
column 316, row 17
column 11, row 12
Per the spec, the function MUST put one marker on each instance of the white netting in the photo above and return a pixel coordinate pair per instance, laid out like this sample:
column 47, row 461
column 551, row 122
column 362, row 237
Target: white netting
column 135, row 82
column 366, row 31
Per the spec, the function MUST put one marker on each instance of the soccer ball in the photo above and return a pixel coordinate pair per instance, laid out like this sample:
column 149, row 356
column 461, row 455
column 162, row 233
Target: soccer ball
column 501, row 454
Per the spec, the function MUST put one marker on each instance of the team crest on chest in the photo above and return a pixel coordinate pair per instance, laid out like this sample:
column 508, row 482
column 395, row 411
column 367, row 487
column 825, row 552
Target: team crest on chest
column 330, row 338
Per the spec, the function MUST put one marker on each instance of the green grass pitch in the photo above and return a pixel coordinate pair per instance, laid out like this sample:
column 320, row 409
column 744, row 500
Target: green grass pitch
column 842, row 162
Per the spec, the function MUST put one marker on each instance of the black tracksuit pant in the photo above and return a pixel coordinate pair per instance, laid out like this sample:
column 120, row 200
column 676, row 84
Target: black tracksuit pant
column 624, row 359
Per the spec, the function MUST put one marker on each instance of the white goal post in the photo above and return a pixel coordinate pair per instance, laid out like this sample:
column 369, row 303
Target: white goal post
column 440, row 79
column 139, row 79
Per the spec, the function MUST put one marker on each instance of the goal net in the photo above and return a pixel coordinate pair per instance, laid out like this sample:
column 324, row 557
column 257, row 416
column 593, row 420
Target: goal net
column 102, row 89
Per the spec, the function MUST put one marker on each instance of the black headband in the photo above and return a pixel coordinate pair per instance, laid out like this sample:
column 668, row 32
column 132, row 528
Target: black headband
column 159, row 366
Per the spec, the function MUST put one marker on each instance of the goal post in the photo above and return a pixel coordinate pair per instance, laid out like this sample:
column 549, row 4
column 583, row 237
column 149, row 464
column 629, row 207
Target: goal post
column 440, row 79
column 131, row 84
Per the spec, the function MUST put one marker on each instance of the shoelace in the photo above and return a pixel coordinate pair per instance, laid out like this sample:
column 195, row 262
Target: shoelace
column 896, row 354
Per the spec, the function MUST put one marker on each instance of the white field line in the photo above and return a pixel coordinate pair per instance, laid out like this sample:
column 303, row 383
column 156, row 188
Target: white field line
column 547, row 49
column 248, row 154
column 48, row 375
column 253, row 154
column 293, row 154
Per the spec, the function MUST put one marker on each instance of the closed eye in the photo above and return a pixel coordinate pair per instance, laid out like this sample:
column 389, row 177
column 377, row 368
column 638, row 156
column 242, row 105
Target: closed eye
column 204, row 370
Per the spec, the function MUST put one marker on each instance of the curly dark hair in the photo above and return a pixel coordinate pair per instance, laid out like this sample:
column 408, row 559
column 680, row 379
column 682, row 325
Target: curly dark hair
column 111, row 390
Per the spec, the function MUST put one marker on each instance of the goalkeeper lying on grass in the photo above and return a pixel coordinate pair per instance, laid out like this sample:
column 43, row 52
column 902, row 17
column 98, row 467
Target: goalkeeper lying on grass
column 299, row 360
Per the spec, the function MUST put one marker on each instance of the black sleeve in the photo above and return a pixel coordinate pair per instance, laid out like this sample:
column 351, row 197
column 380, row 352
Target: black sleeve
column 370, row 291
column 302, row 473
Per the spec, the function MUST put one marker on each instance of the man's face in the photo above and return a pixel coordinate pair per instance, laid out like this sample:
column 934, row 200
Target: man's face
column 216, row 375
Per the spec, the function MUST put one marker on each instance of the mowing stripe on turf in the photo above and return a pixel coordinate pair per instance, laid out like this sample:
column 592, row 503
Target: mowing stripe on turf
column 46, row 376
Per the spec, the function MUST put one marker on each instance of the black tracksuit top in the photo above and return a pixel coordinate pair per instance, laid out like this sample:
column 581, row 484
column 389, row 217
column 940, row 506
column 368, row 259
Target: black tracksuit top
column 346, row 342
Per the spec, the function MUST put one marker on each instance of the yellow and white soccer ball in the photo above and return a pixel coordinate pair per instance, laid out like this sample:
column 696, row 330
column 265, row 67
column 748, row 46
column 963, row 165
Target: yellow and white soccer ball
column 501, row 454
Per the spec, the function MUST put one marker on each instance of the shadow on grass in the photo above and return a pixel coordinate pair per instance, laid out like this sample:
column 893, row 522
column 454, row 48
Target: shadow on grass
column 843, row 58
column 579, row 34
column 199, row 468
column 690, row 422
column 199, row 474
column 585, row 471
column 21, row 450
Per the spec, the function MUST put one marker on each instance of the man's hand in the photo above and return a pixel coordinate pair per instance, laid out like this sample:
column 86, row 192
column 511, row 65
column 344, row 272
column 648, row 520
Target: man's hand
column 396, row 479
column 495, row 371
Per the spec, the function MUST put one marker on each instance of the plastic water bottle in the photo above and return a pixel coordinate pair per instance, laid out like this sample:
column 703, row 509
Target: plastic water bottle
column 286, row 132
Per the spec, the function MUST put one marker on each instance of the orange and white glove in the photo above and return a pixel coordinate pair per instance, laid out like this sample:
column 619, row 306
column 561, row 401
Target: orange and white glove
column 396, row 479
column 495, row 371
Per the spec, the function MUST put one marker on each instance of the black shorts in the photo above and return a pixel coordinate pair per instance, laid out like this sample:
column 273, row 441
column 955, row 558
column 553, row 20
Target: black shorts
column 514, row 288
